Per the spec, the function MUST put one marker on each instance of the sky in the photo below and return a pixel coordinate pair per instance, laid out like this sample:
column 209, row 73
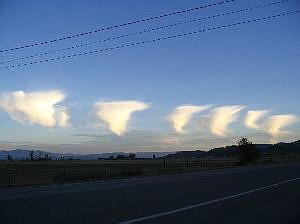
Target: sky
column 190, row 92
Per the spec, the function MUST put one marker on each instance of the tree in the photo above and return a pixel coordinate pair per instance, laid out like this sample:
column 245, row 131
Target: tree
column 47, row 157
column 131, row 156
column 9, row 158
column 247, row 151
column 31, row 153
column 120, row 156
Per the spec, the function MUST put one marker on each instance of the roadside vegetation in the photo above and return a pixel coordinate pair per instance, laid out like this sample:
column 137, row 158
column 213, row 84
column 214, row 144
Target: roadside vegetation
column 44, row 170
column 19, row 173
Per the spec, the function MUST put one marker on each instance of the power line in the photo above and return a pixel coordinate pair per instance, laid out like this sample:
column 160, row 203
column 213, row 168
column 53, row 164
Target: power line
column 117, row 26
column 144, row 31
column 151, row 41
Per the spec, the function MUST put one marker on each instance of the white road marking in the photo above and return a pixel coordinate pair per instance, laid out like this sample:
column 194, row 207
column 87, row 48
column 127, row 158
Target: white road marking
column 206, row 203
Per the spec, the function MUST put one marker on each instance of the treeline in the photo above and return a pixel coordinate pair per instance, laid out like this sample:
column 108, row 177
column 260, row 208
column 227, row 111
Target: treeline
column 238, row 149
column 39, row 156
column 32, row 156
column 243, row 149
column 120, row 157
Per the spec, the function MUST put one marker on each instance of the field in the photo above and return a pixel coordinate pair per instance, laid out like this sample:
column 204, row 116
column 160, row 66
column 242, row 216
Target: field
column 20, row 173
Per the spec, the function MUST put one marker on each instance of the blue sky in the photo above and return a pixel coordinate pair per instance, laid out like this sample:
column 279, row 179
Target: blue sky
column 254, row 65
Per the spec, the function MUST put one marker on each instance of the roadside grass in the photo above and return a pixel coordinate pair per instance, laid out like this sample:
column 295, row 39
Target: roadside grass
column 22, row 173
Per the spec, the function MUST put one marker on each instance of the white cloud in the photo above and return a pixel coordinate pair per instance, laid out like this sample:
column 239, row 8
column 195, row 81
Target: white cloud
column 254, row 116
column 182, row 114
column 116, row 114
column 36, row 108
column 221, row 117
column 274, row 124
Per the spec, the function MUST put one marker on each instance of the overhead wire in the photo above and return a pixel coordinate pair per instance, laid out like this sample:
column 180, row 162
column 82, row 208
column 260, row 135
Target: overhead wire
column 144, row 31
column 116, row 26
column 152, row 40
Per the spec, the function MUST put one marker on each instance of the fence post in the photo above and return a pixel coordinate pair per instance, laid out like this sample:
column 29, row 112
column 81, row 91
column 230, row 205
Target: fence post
column 206, row 163
column 105, row 174
column 187, row 163
column 164, row 163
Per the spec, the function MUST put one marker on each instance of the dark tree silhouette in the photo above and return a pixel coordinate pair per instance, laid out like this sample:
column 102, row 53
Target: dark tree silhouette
column 121, row 157
column 131, row 156
column 31, row 155
column 247, row 151
column 9, row 157
column 47, row 157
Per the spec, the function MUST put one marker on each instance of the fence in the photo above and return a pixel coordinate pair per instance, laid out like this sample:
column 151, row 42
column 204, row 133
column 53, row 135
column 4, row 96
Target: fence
column 44, row 172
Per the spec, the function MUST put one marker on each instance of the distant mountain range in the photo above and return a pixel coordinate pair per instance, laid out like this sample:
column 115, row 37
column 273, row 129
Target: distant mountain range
column 281, row 147
column 20, row 154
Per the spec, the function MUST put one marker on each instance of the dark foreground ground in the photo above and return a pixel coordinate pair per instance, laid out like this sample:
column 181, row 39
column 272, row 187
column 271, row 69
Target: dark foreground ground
column 258, row 194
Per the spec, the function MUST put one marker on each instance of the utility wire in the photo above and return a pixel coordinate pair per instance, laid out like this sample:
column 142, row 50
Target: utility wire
column 144, row 31
column 151, row 41
column 117, row 26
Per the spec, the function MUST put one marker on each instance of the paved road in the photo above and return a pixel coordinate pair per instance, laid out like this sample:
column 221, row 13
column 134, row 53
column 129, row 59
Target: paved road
column 258, row 194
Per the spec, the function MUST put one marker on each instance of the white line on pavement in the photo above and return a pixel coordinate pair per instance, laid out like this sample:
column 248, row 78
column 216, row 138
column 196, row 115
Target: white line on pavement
column 206, row 203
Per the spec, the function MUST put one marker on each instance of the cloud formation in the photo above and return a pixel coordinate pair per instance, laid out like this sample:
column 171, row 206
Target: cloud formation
column 274, row 124
column 254, row 116
column 116, row 114
column 182, row 114
column 221, row 117
column 36, row 108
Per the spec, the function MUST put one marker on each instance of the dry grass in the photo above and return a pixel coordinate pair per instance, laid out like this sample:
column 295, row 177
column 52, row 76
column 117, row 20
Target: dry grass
column 21, row 173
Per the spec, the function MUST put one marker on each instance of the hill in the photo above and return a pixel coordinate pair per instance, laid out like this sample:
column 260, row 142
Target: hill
column 281, row 148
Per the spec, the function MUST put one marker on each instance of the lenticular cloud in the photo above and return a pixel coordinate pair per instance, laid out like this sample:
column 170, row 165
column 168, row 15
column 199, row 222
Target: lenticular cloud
column 36, row 108
column 182, row 114
column 221, row 117
column 116, row 114
column 274, row 124
column 253, row 117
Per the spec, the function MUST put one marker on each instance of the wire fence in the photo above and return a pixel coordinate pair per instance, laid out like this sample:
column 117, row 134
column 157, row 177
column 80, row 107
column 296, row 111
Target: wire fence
column 22, row 173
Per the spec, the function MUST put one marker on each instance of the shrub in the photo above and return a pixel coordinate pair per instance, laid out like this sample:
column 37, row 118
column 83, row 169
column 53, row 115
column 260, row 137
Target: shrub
column 247, row 151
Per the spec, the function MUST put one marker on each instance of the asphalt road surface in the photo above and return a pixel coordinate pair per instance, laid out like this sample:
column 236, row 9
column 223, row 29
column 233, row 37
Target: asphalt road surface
column 257, row 194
